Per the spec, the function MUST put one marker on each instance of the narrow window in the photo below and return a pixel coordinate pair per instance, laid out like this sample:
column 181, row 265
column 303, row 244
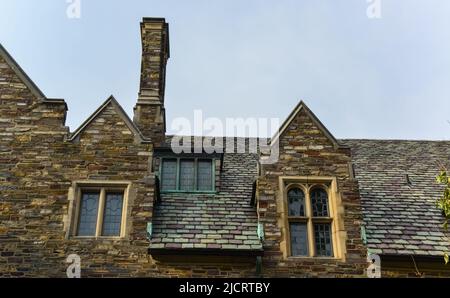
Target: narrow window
column 299, row 239
column 169, row 174
column 204, row 175
column 322, row 225
column 296, row 199
column 319, row 202
column 112, row 219
column 322, row 239
column 297, row 222
column 88, row 214
column 187, row 177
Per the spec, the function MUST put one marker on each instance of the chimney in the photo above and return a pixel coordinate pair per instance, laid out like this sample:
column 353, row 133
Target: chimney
column 149, row 113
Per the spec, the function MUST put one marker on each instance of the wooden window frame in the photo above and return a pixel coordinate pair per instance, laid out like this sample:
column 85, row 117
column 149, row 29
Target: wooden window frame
column 102, row 187
column 177, row 182
column 307, row 184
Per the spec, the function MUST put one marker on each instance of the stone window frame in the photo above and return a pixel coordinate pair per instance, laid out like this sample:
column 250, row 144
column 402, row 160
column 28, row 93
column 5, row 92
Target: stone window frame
column 335, row 208
column 75, row 193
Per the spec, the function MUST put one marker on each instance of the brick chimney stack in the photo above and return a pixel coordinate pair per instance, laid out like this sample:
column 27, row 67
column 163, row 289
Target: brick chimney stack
column 149, row 112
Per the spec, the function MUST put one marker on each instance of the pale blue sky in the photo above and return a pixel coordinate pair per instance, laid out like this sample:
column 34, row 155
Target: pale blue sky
column 364, row 78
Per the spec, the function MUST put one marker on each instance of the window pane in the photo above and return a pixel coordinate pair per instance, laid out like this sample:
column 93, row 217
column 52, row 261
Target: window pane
column 169, row 174
column 187, row 177
column 204, row 175
column 296, row 199
column 112, row 217
column 319, row 202
column 299, row 239
column 322, row 237
column 88, row 214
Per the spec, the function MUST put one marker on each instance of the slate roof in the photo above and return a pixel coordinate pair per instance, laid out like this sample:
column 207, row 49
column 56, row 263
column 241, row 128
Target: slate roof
column 225, row 220
column 401, row 218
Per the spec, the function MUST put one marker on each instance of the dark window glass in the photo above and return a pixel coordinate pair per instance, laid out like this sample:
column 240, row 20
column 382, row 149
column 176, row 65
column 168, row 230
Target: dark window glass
column 204, row 175
column 296, row 199
column 112, row 216
column 169, row 174
column 187, row 174
column 319, row 202
column 322, row 238
column 299, row 239
column 88, row 214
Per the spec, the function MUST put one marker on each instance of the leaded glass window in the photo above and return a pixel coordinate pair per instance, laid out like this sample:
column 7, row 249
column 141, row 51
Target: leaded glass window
column 169, row 174
column 322, row 240
column 309, row 221
column 100, row 212
column 204, row 175
column 187, row 174
column 112, row 214
column 319, row 202
column 296, row 199
column 299, row 239
column 88, row 214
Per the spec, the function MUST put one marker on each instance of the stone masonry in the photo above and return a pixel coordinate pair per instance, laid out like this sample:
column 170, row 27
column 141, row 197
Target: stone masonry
column 215, row 235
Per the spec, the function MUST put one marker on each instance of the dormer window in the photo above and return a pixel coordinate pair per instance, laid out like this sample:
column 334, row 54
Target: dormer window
column 313, row 226
column 187, row 175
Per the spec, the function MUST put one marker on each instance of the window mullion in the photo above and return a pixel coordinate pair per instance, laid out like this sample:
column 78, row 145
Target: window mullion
column 310, row 227
column 124, row 212
column 195, row 173
column 78, row 196
column 101, row 207
column 213, row 175
column 178, row 174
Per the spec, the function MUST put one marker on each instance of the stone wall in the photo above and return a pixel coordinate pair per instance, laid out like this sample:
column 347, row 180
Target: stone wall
column 40, row 161
column 149, row 112
column 305, row 150
column 38, row 165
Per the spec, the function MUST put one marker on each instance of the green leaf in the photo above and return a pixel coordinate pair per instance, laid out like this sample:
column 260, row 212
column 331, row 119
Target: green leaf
column 446, row 258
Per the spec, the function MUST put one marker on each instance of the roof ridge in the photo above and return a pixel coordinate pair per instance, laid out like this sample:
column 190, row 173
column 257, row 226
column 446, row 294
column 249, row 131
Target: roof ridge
column 121, row 112
column 394, row 140
column 21, row 73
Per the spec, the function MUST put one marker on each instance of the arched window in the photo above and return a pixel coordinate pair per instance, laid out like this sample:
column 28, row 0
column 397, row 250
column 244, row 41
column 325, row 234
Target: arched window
column 319, row 202
column 310, row 223
column 296, row 200
column 297, row 222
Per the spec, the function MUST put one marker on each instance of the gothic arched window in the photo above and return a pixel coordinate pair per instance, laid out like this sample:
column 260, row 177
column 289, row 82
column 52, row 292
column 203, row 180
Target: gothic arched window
column 310, row 224
column 296, row 199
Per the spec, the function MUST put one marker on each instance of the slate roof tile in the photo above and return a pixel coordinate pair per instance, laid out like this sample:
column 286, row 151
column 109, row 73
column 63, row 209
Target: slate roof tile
column 394, row 209
column 222, row 220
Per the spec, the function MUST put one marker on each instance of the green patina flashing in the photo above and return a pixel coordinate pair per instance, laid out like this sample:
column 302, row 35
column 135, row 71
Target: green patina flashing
column 364, row 235
column 149, row 230
column 261, row 231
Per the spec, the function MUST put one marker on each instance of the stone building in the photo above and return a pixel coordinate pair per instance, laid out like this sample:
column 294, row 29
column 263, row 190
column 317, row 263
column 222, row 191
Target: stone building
column 114, row 193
